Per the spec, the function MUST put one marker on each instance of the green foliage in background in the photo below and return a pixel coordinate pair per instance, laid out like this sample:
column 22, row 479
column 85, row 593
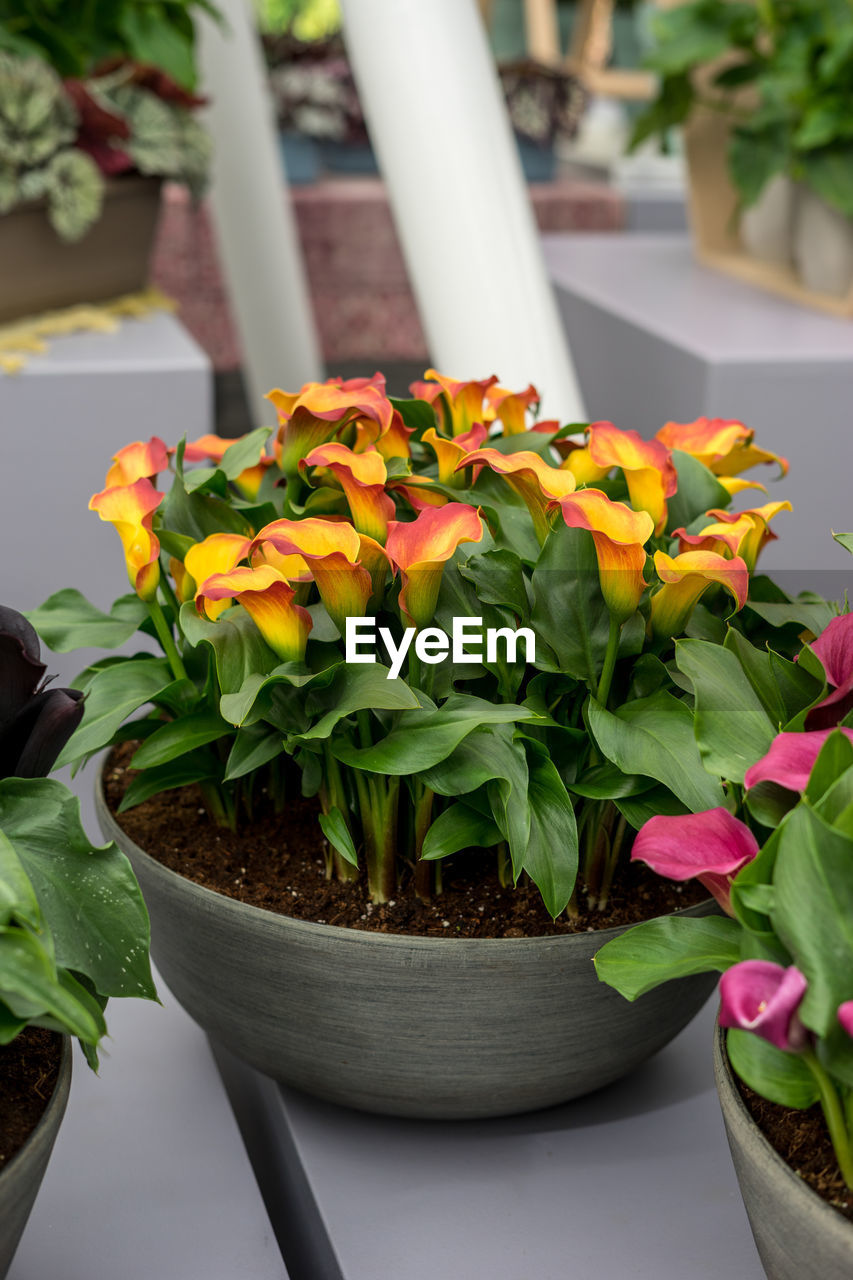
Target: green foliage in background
column 305, row 19
column 795, row 60
column 75, row 40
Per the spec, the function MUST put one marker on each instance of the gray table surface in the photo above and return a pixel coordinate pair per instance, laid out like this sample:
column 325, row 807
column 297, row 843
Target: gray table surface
column 635, row 1180
column 657, row 337
column 149, row 1179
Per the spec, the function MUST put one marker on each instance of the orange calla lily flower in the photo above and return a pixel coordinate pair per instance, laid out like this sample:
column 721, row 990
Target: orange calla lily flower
column 511, row 407
column 748, row 528
column 620, row 535
column 734, row 485
column 211, row 448
column 646, row 464
column 137, row 461
column 419, row 491
column 390, row 443
column 450, row 453
column 463, row 400
column 268, row 599
column 420, row 550
column 724, row 445
column 321, row 411
column 532, row 479
column 332, row 551
column 718, row 538
column 218, row 553
column 362, row 477
column 184, row 585
column 685, row 578
column 131, row 509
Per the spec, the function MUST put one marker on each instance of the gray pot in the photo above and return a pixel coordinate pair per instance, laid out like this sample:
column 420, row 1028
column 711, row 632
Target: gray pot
column 767, row 227
column 21, row 1178
column 797, row 1233
column 438, row 1028
column 823, row 245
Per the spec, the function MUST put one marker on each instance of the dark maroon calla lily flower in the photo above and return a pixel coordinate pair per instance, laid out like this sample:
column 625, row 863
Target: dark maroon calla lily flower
column 834, row 649
column 763, row 997
column 35, row 722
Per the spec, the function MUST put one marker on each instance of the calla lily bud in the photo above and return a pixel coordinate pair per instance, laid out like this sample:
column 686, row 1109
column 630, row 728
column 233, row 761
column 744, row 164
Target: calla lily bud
column 763, row 997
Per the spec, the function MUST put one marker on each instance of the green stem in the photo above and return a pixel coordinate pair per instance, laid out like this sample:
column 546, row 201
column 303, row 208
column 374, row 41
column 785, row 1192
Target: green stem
column 168, row 592
column 164, row 635
column 334, row 797
column 611, row 863
column 423, row 818
column 609, row 661
column 834, row 1116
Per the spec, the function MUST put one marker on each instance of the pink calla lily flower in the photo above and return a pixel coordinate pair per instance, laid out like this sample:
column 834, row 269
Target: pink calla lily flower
column 834, row 649
column 845, row 1016
column 710, row 847
column 790, row 759
column 763, row 997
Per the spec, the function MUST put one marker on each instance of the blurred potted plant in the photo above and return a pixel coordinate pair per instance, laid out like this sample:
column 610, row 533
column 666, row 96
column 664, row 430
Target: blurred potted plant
column 783, row 873
column 313, row 684
column 73, row 926
column 319, row 114
column 763, row 90
column 87, row 134
column 545, row 105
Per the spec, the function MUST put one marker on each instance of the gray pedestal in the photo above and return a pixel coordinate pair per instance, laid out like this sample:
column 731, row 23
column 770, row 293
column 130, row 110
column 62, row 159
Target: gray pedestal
column 656, row 337
column 61, row 420
column 635, row 1180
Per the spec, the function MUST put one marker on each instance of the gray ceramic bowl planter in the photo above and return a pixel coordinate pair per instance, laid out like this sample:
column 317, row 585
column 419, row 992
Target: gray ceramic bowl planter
column 797, row 1234
column 433, row 1028
column 21, row 1178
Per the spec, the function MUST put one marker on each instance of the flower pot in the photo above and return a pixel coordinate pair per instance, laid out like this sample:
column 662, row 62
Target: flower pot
column 823, row 245
column 796, row 1232
column 767, row 227
column 538, row 163
column 42, row 272
column 21, row 1178
column 436, row 1028
column 300, row 156
column 348, row 157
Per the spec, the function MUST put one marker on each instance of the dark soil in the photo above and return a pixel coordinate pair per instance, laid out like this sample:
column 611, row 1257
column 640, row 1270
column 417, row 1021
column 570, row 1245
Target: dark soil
column 278, row 863
column 801, row 1139
column 29, row 1067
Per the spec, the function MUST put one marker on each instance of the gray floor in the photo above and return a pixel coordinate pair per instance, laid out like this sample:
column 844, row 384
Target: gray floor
column 633, row 1181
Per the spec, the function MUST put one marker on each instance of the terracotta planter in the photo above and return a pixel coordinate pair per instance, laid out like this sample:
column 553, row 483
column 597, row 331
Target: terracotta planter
column 21, row 1178
column 437, row 1028
column 42, row 272
column 797, row 1233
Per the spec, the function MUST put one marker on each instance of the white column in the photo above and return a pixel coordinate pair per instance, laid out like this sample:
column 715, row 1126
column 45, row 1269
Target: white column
column 255, row 225
column 436, row 115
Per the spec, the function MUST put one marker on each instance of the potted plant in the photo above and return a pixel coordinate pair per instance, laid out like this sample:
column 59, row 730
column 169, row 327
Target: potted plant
column 762, row 89
column 73, row 926
column 545, row 105
column 415, row 628
column 779, row 860
column 87, row 134
column 319, row 114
